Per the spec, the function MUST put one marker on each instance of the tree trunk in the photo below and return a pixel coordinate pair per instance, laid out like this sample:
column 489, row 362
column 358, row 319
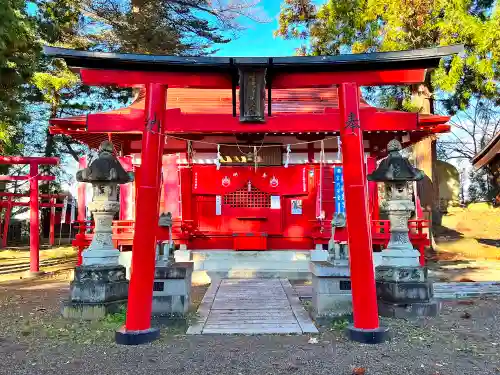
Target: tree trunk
column 425, row 154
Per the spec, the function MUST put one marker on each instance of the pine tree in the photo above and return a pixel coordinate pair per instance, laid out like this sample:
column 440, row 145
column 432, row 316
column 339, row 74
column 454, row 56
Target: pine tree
column 18, row 55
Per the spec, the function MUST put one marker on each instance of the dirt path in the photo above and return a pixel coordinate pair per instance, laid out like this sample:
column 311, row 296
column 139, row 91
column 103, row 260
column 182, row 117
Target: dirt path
column 34, row 339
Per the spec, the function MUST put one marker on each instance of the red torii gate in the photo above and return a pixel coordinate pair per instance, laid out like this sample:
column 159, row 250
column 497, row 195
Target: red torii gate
column 8, row 203
column 154, row 121
column 33, row 177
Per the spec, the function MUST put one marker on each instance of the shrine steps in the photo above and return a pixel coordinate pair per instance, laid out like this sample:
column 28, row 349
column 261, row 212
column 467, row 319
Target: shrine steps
column 230, row 264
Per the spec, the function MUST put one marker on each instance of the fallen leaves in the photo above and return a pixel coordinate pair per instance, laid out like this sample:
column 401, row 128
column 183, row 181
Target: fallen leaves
column 358, row 371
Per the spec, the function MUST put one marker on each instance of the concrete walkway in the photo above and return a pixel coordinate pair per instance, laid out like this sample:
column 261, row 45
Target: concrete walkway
column 251, row 306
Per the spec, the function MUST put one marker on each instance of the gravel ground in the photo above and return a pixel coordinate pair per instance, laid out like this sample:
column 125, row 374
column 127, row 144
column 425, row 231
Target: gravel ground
column 34, row 339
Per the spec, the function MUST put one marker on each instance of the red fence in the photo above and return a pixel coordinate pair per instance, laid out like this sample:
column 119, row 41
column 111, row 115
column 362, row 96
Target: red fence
column 123, row 233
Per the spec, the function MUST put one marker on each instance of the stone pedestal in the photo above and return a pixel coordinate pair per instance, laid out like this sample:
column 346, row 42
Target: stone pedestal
column 402, row 286
column 96, row 291
column 319, row 254
column 405, row 292
column 331, row 289
column 182, row 255
column 172, row 289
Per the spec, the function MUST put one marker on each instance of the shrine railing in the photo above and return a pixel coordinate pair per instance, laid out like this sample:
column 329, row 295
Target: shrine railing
column 123, row 233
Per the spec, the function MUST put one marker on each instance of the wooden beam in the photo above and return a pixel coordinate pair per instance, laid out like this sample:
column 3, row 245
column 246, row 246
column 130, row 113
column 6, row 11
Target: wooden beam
column 178, row 122
column 127, row 78
column 361, row 78
column 23, row 178
column 28, row 160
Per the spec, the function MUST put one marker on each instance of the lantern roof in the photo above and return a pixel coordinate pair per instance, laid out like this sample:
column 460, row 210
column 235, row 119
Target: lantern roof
column 395, row 167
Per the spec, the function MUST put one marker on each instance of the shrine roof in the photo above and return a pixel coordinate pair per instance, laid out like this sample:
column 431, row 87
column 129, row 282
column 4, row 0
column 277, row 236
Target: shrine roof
column 488, row 153
column 399, row 60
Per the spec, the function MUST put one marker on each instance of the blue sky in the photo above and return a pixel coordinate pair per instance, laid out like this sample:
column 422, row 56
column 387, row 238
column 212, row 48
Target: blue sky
column 257, row 38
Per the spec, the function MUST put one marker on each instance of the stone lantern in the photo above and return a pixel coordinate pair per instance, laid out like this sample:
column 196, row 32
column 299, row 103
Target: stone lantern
column 165, row 253
column 402, row 286
column 100, row 285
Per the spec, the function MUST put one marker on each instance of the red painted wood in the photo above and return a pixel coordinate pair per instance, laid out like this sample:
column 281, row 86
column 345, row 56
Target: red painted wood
column 146, row 223
column 126, row 201
column 256, row 241
column 182, row 123
column 361, row 78
column 371, row 165
column 102, row 77
column 364, row 297
column 23, row 178
column 52, row 235
column 82, row 204
column 8, row 212
column 34, row 219
column 28, row 160
column 186, row 184
column 98, row 77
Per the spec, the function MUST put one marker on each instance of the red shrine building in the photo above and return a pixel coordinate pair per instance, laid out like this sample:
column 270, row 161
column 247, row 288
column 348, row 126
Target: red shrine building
column 251, row 148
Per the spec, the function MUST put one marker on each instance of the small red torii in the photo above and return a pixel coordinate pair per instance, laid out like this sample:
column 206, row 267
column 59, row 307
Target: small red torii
column 34, row 176
column 8, row 203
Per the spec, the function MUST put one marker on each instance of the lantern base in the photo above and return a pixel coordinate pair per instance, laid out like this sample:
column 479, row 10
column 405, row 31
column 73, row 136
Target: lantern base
column 368, row 336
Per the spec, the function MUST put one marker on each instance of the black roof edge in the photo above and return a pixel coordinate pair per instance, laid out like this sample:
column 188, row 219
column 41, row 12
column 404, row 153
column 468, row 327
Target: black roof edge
column 412, row 59
column 486, row 149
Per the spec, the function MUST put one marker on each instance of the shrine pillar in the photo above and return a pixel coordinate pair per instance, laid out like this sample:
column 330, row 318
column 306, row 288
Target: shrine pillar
column 137, row 329
column 81, row 192
column 126, row 191
column 34, row 220
column 366, row 326
column 82, row 210
column 52, row 234
column 371, row 165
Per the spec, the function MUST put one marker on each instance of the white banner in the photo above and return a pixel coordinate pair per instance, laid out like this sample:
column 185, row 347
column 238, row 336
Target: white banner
column 63, row 212
column 73, row 210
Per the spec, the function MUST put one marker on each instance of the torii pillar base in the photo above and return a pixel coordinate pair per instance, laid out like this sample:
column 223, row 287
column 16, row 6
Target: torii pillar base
column 368, row 336
column 127, row 337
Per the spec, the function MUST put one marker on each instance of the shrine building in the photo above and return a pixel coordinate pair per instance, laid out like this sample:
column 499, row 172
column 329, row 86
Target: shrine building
column 254, row 151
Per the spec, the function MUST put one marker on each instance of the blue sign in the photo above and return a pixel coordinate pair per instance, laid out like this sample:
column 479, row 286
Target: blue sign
column 338, row 179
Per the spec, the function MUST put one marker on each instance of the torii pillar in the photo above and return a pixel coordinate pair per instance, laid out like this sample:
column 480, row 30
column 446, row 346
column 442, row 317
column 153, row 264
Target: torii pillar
column 137, row 329
column 366, row 328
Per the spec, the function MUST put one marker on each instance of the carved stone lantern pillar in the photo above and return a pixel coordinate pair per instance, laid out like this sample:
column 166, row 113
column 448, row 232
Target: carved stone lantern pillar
column 339, row 251
column 100, row 286
column 402, row 286
column 165, row 254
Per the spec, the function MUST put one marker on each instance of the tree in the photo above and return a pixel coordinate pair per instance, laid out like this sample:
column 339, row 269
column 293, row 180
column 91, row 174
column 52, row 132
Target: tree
column 148, row 26
column 472, row 129
column 372, row 25
column 18, row 51
column 175, row 27
column 480, row 187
